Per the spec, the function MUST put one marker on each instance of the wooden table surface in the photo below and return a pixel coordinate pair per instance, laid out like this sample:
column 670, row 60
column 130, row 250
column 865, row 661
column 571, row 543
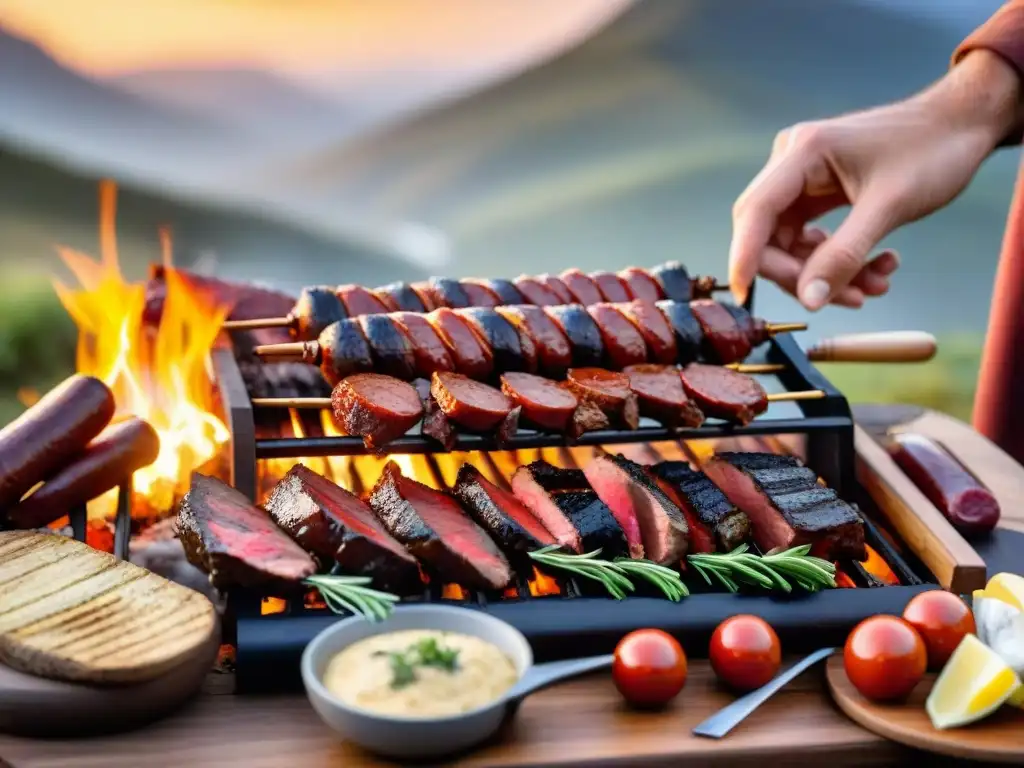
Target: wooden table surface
column 580, row 722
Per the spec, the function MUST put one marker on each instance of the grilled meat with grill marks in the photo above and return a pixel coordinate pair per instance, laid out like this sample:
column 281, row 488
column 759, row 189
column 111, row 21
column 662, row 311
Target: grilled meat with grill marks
column 787, row 506
column 728, row 526
column 533, row 485
column 596, row 524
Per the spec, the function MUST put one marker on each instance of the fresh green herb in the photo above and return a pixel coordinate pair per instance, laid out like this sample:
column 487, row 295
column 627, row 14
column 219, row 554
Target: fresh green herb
column 614, row 575
column 402, row 672
column 350, row 593
column 778, row 570
column 426, row 653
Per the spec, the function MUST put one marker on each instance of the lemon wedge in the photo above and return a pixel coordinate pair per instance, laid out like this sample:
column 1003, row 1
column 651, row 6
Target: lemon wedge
column 1007, row 587
column 975, row 682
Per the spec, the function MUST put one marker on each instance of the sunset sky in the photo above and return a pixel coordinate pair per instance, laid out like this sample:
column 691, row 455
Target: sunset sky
column 300, row 37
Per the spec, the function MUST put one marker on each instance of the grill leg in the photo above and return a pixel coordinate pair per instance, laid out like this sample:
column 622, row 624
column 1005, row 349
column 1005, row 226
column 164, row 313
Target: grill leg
column 123, row 521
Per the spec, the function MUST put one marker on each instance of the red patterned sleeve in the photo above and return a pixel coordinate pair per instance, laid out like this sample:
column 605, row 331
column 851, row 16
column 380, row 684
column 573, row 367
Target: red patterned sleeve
column 1002, row 34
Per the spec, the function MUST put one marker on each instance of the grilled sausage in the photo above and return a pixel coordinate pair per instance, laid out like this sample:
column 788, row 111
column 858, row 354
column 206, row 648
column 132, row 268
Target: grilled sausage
column 498, row 334
column 688, row 333
column 536, row 292
column 544, row 403
column 401, row 297
column 623, row 344
column 508, row 293
column 46, row 436
column 471, row 357
column 674, row 280
column 583, row 334
column 612, row 288
column 471, row 404
column 479, row 294
column 968, row 505
column 377, row 408
column 641, row 285
column 583, row 289
column 659, row 390
column 360, row 301
column 109, row 460
column 724, row 393
column 318, row 307
column 429, row 352
column 653, row 326
column 344, row 351
column 554, row 354
column 449, row 292
column 608, row 390
column 724, row 339
column 390, row 348
column 557, row 287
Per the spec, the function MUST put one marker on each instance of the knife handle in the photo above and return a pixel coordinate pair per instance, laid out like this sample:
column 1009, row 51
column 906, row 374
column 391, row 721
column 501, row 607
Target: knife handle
column 881, row 347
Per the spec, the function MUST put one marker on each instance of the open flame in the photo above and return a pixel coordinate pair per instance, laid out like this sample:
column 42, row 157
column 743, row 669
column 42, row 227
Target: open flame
column 158, row 374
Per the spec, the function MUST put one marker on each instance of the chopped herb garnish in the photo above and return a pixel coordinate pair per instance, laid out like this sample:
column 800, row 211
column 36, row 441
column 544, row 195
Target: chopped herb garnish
column 425, row 653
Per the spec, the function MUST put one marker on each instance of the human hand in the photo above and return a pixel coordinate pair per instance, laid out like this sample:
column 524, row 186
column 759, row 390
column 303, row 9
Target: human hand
column 892, row 165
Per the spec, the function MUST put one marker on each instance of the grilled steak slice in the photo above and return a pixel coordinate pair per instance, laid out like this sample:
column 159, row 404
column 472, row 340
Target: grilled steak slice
column 505, row 290
column 623, row 344
column 584, row 290
column 729, row 526
column 402, row 296
column 787, row 506
column 724, row 393
column 377, row 408
column 360, row 301
column 724, row 340
column 532, row 485
column 234, row 542
column 479, row 294
column 643, row 510
column 449, row 292
column 674, row 280
column 500, row 335
column 608, row 390
column 659, row 391
column 428, row 351
column 654, row 327
column 437, row 531
column 582, row 332
column 391, row 349
column 689, row 335
column 336, row 526
column 544, row 404
column 472, row 358
column 344, row 351
column 611, row 286
column 510, row 523
column 596, row 524
column 641, row 285
column 554, row 354
column 536, row 292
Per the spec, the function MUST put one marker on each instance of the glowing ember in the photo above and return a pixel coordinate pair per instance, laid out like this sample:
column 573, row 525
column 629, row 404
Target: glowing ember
column 542, row 585
column 453, row 592
column 843, row 581
column 878, row 568
column 272, row 605
column 156, row 374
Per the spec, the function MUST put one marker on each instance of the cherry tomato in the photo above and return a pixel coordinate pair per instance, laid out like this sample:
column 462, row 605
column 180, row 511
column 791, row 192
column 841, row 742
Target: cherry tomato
column 942, row 619
column 745, row 652
column 885, row 658
column 649, row 668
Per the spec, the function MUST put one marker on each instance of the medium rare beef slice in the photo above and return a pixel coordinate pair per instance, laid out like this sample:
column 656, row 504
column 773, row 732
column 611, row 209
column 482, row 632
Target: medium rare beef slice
column 593, row 520
column 643, row 510
column 533, row 484
column 436, row 530
column 235, row 542
column 731, row 526
column 510, row 523
column 377, row 408
column 336, row 526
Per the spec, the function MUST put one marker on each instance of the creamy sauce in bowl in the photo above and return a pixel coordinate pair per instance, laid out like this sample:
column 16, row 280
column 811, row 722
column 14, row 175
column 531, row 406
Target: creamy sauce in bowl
column 420, row 673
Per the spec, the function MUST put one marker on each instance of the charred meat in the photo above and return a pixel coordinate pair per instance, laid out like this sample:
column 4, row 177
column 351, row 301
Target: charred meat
column 724, row 393
column 533, row 485
column 729, row 526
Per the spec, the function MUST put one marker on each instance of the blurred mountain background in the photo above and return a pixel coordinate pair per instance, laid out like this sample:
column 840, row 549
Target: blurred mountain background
column 371, row 142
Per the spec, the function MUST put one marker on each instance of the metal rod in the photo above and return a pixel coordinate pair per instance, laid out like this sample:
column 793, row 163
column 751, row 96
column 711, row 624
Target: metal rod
column 262, row 322
column 123, row 520
column 717, row 287
column 79, row 518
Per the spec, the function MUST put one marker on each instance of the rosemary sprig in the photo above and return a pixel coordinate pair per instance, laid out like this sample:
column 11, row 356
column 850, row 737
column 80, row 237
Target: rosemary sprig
column 778, row 570
column 614, row 575
column 350, row 593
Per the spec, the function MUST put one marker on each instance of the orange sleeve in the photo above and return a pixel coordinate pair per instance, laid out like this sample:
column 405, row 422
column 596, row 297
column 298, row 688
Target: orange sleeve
column 1003, row 34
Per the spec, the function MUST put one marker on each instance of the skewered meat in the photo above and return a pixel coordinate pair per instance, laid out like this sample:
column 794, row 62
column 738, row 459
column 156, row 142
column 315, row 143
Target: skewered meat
column 375, row 407
column 336, row 526
column 107, row 461
column 659, row 392
column 427, row 296
column 50, row 433
column 674, row 281
column 479, row 295
column 654, row 327
column 688, row 334
column 584, row 290
column 557, row 287
column 429, row 352
column 787, row 506
column 536, row 291
column 643, row 510
column 401, row 297
column 554, row 354
column 533, row 484
column 438, row 532
column 506, row 291
column 500, row 336
column 472, row 358
column 435, row 422
column 612, row 287
column 476, row 406
column 724, row 393
column 641, row 285
column 724, row 339
column 729, row 525
column 344, row 351
column 607, row 390
column 544, row 404
column 317, row 308
column 449, row 292
column 513, row 527
column 234, row 542
column 390, row 348
column 623, row 344
column 580, row 329
column 360, row 301
column 588, row 417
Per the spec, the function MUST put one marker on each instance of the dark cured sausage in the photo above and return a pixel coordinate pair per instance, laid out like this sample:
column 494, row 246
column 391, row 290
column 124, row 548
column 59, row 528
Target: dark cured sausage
column 554, row 354
column 724, row 393
column 536, row 292
column 544, row 403
column 479, row 295
column 674, row 280
column 582, row 332
column 583, row 289
column 498, row 335
column 426, row 294
column 390, row 348
column 359, row 301
column 661, row 396
column 107, row 462
column 449, row 292
column 344, row 351
column 688, row 333
column 610, row 286
column 623, row 344
column 508, row 293
column 641, row 285
column 472, row 404
column 471, row 357
column 608, row 390
column 428, row 350
column 653, row 326
column 724, row 340
column 50, row 433
column 401, row 297
column 377, row 408
column 318, row 306
column 968, row 505
column 557, row 287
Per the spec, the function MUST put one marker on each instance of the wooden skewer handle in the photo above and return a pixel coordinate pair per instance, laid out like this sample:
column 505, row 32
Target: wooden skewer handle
column 882, row 347
column 263, row 322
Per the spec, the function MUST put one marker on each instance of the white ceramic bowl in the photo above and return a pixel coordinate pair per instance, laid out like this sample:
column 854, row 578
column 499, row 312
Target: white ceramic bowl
column 408, row 737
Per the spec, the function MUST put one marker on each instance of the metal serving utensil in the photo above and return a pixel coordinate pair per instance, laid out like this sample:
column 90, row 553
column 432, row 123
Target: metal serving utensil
column 727, row 718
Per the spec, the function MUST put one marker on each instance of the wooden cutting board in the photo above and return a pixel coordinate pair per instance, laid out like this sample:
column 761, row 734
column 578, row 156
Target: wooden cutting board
column 997, row 739
column 70, row 612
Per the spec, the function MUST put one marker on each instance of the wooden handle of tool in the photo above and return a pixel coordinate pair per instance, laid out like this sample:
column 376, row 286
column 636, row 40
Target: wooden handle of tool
column 882, row 347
